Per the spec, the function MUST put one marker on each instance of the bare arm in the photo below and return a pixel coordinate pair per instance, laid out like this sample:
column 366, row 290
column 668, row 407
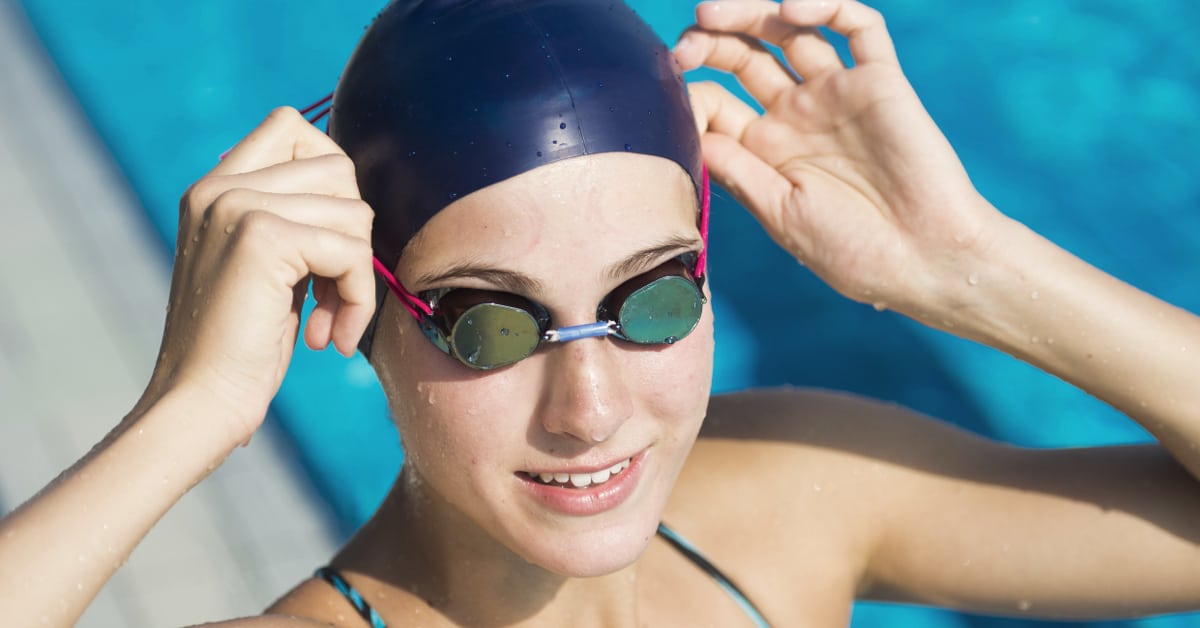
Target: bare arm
column 887, row 504
column 848, row 173
column 283, row 206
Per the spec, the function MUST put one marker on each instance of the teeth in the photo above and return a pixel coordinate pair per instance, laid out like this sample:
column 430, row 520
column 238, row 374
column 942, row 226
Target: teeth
column 582, row 480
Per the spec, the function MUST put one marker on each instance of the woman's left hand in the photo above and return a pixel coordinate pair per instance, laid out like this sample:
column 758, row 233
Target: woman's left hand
column 844, row 168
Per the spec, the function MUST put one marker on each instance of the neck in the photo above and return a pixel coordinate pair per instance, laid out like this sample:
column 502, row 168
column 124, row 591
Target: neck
column 421, row 544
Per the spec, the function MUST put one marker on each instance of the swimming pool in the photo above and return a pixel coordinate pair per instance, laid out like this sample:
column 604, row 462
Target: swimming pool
column 1076, row 118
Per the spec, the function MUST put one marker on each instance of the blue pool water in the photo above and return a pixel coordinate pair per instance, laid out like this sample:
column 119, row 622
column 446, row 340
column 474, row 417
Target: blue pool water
column 1076, row 117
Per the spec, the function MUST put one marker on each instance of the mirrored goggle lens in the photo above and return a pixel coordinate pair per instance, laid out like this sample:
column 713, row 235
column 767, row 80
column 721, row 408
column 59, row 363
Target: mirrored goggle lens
column 491, row 335
column 663, row 311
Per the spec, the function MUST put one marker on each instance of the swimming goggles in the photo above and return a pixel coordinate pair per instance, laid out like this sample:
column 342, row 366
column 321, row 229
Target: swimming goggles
column 486, row 329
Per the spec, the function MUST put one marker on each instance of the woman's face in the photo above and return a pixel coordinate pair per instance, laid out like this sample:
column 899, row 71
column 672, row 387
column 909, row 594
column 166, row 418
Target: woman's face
column 563, row 235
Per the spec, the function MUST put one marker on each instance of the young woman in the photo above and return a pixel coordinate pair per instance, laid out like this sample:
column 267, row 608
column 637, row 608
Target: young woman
column 546, row 345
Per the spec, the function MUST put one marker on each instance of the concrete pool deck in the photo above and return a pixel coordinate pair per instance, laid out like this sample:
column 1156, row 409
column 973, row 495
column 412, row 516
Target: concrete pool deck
column 84, row 282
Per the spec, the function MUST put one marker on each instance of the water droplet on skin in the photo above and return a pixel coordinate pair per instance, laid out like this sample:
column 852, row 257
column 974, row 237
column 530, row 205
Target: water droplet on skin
column 879, row 306
column 973, row 279
column 1049, row 341
column 816, row 488
column 184, row 252
column 200, row 291
column 195, row 313
column 1033, row 296
column 1024, row 605
column 196, row 238
column 1034, row 340
column 140, row 430
column 228, row 229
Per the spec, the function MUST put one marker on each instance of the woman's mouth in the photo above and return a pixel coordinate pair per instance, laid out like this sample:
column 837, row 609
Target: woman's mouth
column 580, row 480
column 583, row 493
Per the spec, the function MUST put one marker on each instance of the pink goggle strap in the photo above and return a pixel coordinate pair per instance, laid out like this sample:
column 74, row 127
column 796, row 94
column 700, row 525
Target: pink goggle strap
column 415, row 306
column 705, row 203
column 318, row 110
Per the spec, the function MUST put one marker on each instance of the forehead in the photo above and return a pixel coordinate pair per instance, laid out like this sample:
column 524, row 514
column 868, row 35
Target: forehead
column 600, row 206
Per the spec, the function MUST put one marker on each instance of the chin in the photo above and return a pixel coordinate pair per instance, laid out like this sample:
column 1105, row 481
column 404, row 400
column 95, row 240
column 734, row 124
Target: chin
column 590, row 553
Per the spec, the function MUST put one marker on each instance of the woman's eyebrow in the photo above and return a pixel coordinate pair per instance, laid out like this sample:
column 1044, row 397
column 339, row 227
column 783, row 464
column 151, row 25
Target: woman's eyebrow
column 506, row 280
column 520, row 283
column 652, row 255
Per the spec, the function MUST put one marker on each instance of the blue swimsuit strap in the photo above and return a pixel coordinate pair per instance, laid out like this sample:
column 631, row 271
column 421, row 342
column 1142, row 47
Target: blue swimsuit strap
column 355, row 598
column 691, row 553
column 330, row 575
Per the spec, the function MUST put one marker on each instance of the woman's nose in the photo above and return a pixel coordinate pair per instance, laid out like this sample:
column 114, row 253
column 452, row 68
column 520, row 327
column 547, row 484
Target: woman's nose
column 585, row 395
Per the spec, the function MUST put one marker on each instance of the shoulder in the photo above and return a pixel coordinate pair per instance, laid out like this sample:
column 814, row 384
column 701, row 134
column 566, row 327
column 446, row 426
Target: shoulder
column 794, row 486
column 269, row 621
column 316, row 601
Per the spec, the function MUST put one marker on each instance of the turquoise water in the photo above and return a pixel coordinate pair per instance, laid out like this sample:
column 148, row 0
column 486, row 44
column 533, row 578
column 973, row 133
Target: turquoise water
column 1076, row 117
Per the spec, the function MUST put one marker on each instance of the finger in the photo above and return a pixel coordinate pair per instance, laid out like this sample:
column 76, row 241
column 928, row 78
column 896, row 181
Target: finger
column 763, row 76
column 803, row 45
column 757, row 186
column 322, row 253
column 328, row 175
column 319, row 330
column 719, row 111
column 348, row 216
column 862, row 26
column 346, row 263
column 283, row 136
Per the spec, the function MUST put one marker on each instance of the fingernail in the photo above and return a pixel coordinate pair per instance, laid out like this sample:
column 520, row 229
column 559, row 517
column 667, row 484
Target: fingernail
column 684, row 43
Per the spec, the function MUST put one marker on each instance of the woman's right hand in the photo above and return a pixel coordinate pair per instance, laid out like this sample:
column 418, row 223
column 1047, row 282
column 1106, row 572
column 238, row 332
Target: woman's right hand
column 282, row 207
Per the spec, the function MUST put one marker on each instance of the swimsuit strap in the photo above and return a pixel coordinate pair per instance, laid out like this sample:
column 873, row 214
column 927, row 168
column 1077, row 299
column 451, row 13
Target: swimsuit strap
column 691, row 553
column 330, row 575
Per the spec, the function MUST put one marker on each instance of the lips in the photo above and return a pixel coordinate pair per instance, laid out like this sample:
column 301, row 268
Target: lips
column 583, row 492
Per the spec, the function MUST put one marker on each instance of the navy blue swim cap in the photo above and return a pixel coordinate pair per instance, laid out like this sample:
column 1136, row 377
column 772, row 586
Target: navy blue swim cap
column 445, row 97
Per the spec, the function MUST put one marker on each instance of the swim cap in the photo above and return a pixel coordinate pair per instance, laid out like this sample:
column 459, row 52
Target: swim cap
column 444, row 97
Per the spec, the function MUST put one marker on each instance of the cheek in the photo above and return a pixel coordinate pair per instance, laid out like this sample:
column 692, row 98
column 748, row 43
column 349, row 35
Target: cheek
column 438, row 406
column 677, row 380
